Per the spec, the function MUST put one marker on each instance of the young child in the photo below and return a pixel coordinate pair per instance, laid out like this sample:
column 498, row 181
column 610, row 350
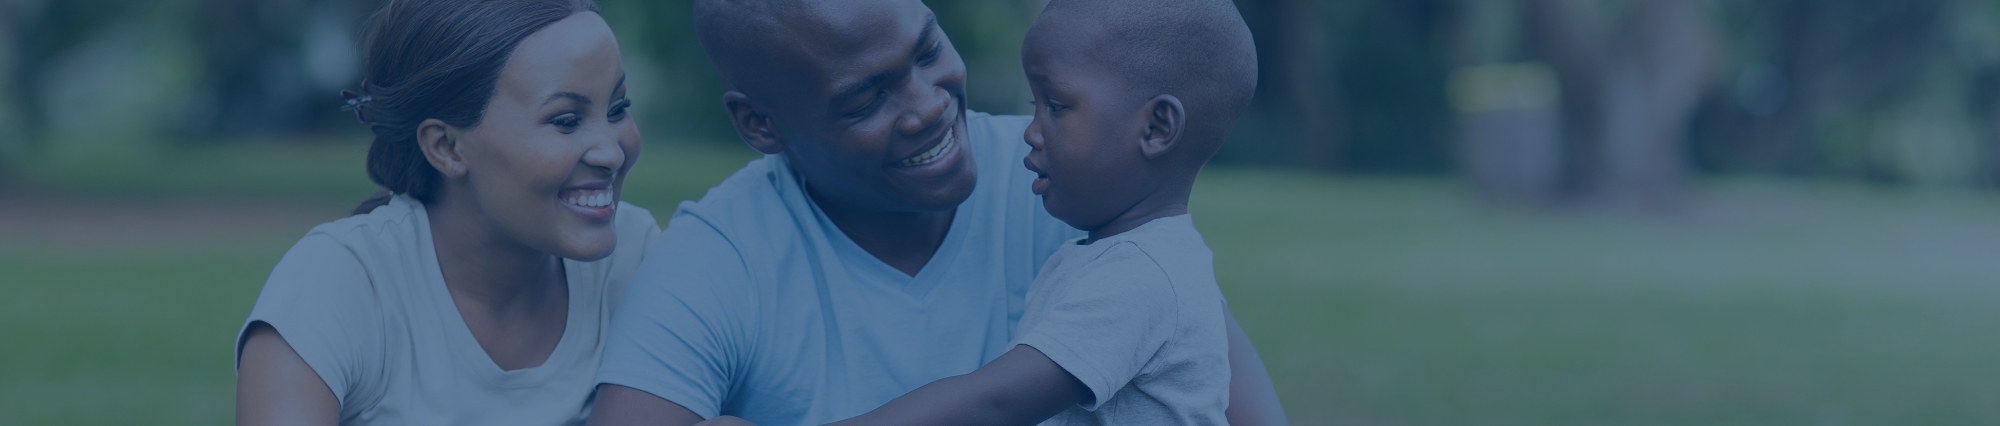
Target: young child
column 1125, row 326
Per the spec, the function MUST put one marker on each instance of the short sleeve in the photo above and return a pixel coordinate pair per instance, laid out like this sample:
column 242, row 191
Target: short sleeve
column 1103, row 323
column 672, row 335
column 320, row 300
column 637, row 231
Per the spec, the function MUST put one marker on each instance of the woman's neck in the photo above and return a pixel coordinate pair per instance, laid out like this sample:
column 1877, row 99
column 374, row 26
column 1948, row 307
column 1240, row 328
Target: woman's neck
column 481, row 263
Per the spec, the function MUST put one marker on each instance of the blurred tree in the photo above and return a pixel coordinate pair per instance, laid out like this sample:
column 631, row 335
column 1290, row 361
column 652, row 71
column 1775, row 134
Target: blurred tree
column 1813, row 72
column 40, row 31
column 1631, row 73
column 1296, row 106
column 274, row 66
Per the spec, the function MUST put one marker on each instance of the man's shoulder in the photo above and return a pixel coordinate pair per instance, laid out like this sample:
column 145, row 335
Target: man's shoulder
column 748, row 197
column 746, row 213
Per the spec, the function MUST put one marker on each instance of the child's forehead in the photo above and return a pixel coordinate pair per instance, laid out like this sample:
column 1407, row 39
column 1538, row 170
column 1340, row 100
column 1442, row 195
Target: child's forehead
column 1059, row 35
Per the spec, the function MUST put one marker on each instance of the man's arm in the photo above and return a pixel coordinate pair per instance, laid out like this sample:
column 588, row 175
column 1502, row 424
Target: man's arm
column 1252, row 400
column 623, row 406
column 1022, row 387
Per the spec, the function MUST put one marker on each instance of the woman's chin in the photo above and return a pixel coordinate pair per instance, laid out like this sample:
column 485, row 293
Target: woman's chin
column 587, row 246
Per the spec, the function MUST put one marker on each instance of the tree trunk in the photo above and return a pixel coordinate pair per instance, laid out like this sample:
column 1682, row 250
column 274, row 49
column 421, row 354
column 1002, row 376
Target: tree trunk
column 1628, row 92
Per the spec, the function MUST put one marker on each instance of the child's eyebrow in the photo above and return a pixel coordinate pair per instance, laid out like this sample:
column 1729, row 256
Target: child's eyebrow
column 862, row 85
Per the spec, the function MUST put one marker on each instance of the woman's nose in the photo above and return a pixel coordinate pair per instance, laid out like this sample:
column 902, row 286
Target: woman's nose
column 605, row 151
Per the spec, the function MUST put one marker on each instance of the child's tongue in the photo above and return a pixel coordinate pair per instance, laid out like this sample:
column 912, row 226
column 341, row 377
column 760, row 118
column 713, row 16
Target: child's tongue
column 1041, row 185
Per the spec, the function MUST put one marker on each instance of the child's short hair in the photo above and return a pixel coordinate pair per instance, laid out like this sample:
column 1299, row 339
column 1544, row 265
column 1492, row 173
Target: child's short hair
column 1197, row 50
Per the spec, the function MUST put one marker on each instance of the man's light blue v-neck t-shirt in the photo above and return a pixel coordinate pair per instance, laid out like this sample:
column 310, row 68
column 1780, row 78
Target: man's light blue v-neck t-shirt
column 753, row 304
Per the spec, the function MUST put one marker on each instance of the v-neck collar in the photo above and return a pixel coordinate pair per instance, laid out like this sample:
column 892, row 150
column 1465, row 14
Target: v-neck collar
column 861, row 262
column 466, row 347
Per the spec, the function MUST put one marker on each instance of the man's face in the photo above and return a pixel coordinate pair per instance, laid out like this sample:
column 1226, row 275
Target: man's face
column 878, row 122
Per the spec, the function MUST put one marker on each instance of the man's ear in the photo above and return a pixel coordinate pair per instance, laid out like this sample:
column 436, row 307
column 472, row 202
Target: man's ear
column 1165, row 118
column 439, row 143
column 754, row 127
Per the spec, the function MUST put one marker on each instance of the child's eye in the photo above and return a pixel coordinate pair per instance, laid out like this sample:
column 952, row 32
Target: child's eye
column 567, row 123
column 617, row 111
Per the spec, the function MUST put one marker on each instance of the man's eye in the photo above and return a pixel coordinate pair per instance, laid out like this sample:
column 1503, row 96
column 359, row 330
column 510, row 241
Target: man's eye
column 931, row 55
column 870, row 107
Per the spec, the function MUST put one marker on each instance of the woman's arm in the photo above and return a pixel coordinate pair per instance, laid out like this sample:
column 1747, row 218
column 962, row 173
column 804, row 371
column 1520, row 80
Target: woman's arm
column 1252, row 400
column 1022, row 387
column 274, row 386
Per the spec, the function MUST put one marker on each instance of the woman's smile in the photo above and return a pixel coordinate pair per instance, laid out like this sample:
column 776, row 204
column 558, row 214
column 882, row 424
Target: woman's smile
column 595, row 202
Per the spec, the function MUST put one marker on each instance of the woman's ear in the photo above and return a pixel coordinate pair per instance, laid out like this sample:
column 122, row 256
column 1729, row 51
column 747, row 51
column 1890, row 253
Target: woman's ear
column 440, row 145
column 753, row 126
column 1165, row 118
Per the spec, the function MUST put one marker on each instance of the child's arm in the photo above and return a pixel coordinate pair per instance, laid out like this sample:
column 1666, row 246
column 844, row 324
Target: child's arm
column 1022, row 387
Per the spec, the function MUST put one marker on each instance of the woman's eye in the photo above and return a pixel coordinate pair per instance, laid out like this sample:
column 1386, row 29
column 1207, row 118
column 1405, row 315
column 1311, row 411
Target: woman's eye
column 618, row 110
column 567, row 122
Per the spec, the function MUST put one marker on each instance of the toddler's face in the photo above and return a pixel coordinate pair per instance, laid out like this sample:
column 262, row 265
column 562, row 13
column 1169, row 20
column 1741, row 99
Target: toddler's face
column 1086, row 131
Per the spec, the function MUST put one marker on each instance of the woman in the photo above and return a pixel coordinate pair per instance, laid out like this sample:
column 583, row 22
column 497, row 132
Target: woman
column 477, row 293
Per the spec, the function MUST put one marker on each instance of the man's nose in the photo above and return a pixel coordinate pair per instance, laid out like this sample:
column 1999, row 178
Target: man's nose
column 929, row 108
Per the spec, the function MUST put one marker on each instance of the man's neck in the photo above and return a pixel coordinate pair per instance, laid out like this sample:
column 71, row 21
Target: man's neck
column 904, row 240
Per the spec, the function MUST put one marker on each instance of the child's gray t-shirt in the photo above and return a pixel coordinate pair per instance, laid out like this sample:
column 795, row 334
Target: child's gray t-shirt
column 1138, row 319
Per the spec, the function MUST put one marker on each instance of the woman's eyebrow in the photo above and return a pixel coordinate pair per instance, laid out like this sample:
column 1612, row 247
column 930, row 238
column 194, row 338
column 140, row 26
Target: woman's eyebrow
column 573, row 96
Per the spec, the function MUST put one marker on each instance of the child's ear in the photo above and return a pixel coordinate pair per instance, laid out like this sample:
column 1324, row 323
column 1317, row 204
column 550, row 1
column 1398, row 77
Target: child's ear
column 1164, row 120
column 439, row 142
column 751, row 125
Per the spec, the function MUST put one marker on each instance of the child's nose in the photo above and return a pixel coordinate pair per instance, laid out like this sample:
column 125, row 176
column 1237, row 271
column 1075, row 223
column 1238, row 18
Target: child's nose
column 1033, row 134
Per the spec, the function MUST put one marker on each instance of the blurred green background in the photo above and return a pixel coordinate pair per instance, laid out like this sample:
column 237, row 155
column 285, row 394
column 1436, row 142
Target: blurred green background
column 1439, row 212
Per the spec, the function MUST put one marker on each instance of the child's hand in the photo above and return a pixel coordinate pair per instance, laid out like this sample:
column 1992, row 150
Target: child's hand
column 725, row 421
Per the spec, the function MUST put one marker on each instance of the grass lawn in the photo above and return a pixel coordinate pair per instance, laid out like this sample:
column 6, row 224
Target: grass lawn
column 1374, row 301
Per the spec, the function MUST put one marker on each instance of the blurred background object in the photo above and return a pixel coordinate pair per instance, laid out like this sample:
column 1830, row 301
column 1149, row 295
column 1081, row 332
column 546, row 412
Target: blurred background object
column 1436, row 211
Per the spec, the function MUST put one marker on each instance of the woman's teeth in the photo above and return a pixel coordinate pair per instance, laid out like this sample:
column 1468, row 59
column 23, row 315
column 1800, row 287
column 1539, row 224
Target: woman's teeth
column 593, row 199
column 932, row 155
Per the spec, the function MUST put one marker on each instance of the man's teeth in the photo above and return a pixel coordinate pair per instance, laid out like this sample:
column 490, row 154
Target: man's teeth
column 932, row 154
column 596, row 199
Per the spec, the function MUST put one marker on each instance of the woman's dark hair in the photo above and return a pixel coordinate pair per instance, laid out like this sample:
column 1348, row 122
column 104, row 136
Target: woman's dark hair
column 436, row 59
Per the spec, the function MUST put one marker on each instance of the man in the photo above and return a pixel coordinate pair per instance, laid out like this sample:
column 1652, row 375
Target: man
column 886, row 240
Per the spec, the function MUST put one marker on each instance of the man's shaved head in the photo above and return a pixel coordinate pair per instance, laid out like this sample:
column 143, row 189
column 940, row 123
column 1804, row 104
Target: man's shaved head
column 1197, row 50
column 758, row 43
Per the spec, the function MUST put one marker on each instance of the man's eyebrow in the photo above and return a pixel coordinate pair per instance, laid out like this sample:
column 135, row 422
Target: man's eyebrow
column 876, row 79
column 924, row 38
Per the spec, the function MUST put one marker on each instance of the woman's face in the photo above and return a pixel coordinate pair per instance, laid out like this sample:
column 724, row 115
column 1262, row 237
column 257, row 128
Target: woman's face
column 547, row 162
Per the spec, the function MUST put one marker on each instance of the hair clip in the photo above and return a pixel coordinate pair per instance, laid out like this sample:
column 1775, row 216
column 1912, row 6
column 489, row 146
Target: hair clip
column 355, row 101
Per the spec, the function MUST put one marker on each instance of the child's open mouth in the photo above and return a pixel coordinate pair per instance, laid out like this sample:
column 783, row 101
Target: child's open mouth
column 1041, row 185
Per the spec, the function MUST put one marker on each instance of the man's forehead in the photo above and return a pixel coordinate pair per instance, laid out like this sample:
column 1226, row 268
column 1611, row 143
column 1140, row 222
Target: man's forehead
column 843, row 38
